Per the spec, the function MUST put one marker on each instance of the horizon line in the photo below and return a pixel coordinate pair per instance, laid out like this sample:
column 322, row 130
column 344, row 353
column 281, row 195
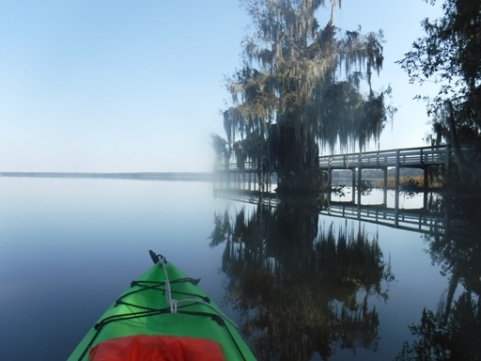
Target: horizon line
column 121, row 175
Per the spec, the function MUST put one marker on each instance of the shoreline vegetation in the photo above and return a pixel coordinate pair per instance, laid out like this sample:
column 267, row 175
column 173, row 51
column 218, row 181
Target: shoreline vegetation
column 410, row 179
column 415, row 183
column 168, row 176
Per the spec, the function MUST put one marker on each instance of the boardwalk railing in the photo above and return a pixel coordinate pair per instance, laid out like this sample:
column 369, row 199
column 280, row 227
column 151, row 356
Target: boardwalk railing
column 408, row 157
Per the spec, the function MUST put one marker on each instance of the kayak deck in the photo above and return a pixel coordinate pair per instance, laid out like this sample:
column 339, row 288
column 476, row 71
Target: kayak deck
column 164, row 301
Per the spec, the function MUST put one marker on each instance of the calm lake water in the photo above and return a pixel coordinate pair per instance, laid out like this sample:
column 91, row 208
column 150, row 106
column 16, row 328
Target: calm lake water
column 68, row 247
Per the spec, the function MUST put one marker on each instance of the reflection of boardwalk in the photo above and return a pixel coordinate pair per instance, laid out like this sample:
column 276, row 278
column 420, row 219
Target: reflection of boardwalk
column 409, row 219
column 417, row 220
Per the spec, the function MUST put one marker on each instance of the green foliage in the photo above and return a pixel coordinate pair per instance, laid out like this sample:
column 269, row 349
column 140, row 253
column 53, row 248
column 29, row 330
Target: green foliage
column 221, row 149
column 450, row 55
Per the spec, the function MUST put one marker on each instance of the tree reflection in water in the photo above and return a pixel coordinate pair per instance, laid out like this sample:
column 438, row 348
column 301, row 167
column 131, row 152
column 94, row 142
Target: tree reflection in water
column 453, row 331
column 300, row 290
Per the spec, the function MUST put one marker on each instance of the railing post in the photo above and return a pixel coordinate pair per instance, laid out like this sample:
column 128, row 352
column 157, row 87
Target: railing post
column 250, row 179
column 385, row 186
column 396, row 191
column 359, row 177
column 353, row 173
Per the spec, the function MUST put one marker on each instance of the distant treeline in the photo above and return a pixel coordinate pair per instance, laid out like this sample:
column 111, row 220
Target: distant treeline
column 174, row 176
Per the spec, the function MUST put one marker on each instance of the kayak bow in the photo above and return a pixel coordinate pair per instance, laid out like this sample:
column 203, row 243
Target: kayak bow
column 164, row 311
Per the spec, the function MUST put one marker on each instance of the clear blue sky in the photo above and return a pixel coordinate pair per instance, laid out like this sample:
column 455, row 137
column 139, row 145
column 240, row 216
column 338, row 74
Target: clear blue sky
column 129, row 85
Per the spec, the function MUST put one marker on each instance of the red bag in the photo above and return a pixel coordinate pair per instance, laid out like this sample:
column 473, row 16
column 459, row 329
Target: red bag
column 157, row 348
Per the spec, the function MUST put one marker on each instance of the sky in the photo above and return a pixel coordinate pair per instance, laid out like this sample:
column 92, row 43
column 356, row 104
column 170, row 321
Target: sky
column 138, row 85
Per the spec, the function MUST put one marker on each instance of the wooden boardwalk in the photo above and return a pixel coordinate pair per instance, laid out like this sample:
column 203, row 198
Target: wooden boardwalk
column 247, row 176
column 420, row 157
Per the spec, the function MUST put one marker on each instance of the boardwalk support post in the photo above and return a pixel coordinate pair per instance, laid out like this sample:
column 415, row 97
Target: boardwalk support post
column 359, row 177
column 353, row 171
column 397, row 181
column 385, row 186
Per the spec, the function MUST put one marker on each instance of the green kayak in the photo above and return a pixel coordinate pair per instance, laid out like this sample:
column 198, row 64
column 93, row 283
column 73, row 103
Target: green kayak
column 164, row 315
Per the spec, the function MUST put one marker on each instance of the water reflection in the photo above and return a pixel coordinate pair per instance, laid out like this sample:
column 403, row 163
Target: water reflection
column 300, row 290
column 453, row 331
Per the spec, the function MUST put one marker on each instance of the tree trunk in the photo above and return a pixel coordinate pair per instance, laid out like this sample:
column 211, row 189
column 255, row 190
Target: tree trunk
column 296, row 159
